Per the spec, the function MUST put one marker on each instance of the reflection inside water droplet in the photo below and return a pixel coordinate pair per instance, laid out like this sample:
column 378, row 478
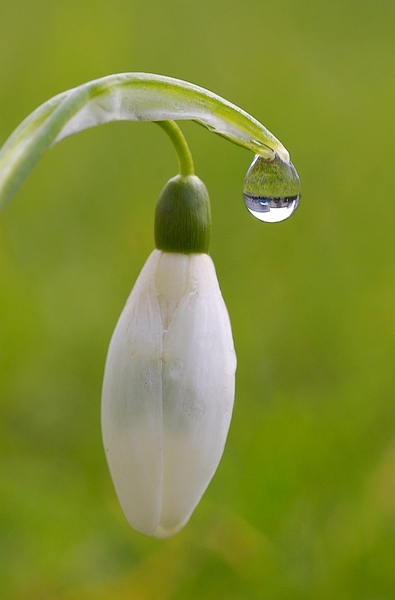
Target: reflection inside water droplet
column 271, row 189
column 271, row 210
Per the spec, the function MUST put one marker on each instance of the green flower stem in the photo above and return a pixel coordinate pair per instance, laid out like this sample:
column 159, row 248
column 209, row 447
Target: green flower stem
column 185, row 160
column 126, row 97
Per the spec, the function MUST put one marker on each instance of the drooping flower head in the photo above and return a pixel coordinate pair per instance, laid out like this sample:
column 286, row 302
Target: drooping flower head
column 170, row 373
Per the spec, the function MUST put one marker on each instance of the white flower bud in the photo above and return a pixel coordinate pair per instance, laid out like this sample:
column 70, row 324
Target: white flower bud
column 168, row 391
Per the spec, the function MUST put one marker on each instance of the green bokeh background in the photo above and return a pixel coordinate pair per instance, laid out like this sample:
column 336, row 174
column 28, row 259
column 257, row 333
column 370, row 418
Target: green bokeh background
column 303, row 503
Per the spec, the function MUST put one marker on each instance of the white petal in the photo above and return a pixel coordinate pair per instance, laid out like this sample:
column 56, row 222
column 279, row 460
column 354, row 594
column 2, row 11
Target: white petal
column 199, row 364
column 132, row 420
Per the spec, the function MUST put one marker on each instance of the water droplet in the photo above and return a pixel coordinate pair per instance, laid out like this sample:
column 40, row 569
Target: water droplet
column 271, row 189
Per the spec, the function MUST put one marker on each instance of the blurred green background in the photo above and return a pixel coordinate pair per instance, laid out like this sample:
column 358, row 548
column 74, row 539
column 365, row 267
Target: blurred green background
column 303, row 503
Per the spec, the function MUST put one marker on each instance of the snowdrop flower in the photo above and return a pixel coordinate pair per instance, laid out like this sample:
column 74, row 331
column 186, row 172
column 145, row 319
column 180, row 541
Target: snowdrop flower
column 170, row 373
column 169, row 378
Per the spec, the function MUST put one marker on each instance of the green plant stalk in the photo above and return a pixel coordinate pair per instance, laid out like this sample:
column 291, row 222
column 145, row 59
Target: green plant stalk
column 131, row 97
column 185, row 160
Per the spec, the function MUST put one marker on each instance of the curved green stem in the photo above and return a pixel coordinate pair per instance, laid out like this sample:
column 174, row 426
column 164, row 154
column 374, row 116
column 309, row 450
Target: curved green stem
column 126, row 97
column 185, row 160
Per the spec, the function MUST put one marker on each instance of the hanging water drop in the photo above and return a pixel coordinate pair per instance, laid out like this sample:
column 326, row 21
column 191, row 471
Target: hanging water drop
column 271, row 189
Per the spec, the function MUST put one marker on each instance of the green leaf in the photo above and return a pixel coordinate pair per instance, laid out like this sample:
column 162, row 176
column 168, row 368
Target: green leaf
column 126, row 97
